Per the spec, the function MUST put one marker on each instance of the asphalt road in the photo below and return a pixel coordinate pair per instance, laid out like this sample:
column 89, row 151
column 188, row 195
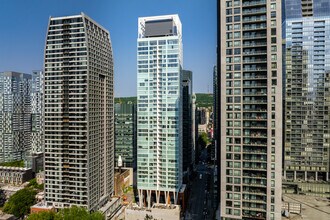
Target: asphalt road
column 199, row 204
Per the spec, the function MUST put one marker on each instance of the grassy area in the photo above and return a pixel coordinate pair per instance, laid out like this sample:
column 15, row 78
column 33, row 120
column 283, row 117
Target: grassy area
column 202, row 99
column 19, row 163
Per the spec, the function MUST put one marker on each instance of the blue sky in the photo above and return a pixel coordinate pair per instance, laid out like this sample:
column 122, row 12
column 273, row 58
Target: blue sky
column 23, row 29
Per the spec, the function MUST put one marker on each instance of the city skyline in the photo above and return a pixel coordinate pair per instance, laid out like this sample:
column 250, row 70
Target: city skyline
column 120, row 18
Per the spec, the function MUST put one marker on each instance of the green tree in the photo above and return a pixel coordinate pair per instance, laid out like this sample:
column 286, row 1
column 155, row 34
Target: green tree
column 19, row 203
column 33, row 184
column 18, row 163
column 46, row 215
column 203, row 140
column 77, row 213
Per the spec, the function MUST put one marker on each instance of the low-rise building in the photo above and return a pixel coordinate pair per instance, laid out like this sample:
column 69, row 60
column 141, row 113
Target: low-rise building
column 161, row 211
column 15, row 175
column 123, row 178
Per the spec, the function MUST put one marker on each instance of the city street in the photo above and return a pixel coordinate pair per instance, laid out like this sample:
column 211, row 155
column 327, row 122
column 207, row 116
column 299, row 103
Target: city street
column 200, row 201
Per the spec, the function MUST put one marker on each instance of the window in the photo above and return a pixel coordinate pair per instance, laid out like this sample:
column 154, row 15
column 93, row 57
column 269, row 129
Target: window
column 237, row 212
column 229, row 43
column 237, row 26
column 229, row 35
column 237, row 34
column 237, row 51
column 273, row 14
column 273, row 31
column 237, row 18
column 237, row 11
column 237, row 67
column 273, row 40
column 274, row 48
column 273, row 23
column 237, row 43
column 229, row 51
column 273, row 6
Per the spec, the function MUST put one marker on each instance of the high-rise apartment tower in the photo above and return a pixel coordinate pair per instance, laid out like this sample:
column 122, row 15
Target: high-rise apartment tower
column 159, row 110
column 15, row 116
column 250, row 113
column 307, row 122
column 79, row 113
column 37, row 112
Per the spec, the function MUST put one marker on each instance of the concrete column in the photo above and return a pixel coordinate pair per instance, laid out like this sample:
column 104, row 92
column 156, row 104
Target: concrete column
column 157, row 196
column 166, row 197
column 305, row 175
column 294, row 175
column 149, row 198
column 316, row 179
column 140, row 197
column 176, row 194
column 327, row 176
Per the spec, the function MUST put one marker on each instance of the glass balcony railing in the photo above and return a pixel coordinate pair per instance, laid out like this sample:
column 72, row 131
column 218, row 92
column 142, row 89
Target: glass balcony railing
column 254, row 11
column 254, row 36
column 253, row 3
column 254, row 27
column 254, row 52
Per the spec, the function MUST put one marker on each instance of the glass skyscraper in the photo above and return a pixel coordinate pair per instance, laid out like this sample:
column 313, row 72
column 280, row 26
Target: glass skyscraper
column 159, row 110
column 307, row 105
column 250, row 108
column 188, row 139
column 125, row 134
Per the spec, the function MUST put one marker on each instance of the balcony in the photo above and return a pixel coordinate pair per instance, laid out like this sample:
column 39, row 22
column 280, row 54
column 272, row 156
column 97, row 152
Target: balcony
column 254, row 85
column 254, row 11
column 254, row 36
column 255, row 76
column 254, row 27
column 252, row 52
column 253, row 3
column 254, row 142
column 254, row 60
column 254, row 44
column 254, row 19
column 249, row 150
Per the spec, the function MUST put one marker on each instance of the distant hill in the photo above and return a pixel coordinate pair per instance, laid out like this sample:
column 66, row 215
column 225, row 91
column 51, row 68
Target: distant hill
column 126, row 99
column 202, row 99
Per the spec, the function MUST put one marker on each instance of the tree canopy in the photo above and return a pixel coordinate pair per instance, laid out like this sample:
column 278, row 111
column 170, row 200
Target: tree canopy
column 203, row 140
column 33, row 184
column 19, row 203
column 73, row 213
column 18, row 163
column 45, row 215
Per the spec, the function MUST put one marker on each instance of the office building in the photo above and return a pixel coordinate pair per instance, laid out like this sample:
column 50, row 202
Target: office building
column 250, row 111
column 15, row 116
column 125, row 134
column 159, row 110
column 37, row 112
column 188, row 144
column 307, row 123
column 79, row 113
